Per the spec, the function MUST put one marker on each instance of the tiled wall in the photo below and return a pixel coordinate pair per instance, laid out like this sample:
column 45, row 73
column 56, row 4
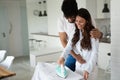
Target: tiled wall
column 104, row 26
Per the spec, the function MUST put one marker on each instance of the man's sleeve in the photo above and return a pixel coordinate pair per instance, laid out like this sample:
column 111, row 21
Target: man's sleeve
column 60, row 25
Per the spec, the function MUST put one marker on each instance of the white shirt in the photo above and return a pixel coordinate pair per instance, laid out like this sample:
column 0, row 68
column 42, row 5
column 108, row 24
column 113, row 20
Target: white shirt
column 90, row 56
column 65, row 26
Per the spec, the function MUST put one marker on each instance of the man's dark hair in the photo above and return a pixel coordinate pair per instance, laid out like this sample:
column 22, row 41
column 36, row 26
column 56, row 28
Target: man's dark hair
column 69, row 8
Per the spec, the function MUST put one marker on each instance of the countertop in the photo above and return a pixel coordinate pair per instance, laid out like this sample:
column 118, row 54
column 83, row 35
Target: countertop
column 45, row 34
column 105, row 40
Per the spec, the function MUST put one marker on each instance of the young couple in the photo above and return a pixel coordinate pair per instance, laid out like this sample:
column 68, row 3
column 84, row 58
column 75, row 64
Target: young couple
column 80, row 40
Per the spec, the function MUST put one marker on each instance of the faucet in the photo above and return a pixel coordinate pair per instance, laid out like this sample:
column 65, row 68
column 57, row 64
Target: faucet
column 108, row 35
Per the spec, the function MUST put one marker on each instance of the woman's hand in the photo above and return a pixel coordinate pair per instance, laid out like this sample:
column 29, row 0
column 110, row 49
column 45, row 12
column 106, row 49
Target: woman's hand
column 86, row 75
column 80, row 59
column 60, row 61
column 95, row 33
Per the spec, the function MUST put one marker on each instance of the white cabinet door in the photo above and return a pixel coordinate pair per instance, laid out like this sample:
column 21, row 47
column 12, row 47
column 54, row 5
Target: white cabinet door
column 103, row 58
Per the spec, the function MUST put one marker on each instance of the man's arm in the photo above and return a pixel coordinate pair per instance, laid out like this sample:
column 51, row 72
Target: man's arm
column 63, row 38
column 95, row 33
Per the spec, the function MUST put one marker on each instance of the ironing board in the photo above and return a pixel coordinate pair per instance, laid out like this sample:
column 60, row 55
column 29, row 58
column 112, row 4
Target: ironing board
column 46, row 71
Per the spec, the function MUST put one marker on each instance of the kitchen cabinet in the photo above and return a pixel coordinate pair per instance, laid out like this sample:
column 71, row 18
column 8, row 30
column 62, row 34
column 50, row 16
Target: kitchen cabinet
column 103, row 58
column 47, row 40
column 46, row 48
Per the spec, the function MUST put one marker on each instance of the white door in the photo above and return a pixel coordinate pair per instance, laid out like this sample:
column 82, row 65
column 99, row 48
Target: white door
column 15, row 36
column 10, row 27
column 4, row 32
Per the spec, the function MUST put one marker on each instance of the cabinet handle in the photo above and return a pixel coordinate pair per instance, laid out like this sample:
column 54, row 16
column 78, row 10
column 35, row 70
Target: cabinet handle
column 109, row 54
column 4, row 35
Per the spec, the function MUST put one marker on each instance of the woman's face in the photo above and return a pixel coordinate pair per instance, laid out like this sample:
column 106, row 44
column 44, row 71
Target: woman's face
column 80, row 22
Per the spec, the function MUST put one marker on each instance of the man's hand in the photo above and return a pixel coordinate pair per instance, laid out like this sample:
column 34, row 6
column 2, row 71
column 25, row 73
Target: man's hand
column 95, row 33
column 61, row 61
column 80, row 59
column 86, row 75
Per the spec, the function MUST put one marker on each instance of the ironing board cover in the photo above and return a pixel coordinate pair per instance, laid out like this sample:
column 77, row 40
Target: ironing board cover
column 46, row 71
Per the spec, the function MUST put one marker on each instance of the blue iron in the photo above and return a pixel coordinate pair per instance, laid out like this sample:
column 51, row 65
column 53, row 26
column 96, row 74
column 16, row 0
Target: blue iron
column 61, row 71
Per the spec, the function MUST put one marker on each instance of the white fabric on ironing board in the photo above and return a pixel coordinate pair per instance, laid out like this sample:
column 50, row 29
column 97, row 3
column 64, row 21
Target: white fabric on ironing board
column 46, row 71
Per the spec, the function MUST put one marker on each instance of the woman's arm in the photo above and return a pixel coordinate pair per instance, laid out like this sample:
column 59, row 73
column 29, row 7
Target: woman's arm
column 68, row 49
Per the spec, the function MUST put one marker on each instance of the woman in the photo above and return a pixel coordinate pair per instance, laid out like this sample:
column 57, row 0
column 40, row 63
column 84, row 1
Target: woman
column 83, row 44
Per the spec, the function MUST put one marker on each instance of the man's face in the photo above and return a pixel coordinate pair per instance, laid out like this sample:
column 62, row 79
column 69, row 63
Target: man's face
column 71, row 19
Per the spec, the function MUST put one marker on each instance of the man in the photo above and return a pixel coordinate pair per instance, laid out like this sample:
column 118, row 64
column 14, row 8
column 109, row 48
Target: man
column 66, row 26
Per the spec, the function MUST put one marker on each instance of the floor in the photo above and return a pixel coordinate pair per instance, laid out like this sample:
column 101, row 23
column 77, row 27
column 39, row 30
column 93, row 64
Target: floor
column 21, row 66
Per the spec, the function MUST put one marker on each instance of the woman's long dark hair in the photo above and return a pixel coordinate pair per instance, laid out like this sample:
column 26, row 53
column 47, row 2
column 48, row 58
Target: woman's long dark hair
column 85, row 42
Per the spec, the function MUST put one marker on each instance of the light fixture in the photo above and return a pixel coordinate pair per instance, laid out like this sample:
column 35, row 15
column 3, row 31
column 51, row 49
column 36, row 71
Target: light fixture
column 40, row 12
column 105, row 9
column 42, row 9
column 44, row 5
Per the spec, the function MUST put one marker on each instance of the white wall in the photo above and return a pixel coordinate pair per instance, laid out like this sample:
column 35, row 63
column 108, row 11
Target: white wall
column 24, row 27
column 81, row 3
column 91, row 5
column 35, row 23
column 115, row 40
column 54, row 12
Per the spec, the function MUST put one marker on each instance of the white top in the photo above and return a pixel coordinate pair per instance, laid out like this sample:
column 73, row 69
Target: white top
column 65, row 26
column 90, row 56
